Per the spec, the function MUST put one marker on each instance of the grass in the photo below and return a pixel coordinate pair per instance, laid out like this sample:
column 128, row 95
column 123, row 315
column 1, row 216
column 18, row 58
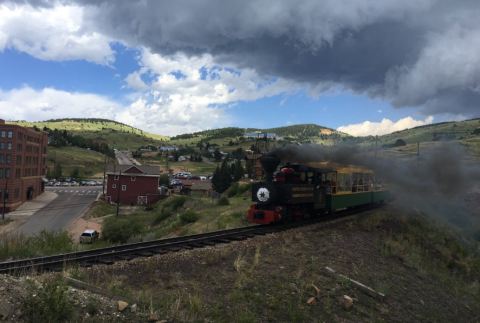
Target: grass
column 89, row 163
column 101, row 209
column 16, row 246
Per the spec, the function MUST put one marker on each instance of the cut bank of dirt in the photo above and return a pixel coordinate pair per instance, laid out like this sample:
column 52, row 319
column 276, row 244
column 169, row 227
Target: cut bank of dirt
column 269, row 278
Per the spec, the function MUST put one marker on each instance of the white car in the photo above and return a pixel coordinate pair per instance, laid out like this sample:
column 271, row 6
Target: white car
column 73, row 183
column 58, row 184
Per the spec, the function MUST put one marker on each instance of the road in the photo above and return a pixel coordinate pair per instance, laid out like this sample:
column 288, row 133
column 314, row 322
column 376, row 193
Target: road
column 70, row 204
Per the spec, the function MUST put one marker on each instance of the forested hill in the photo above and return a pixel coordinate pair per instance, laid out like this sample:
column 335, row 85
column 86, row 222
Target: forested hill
column 302, row 131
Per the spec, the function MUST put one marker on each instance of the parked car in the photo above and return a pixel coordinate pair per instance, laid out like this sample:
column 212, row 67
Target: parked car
column 58, row 184
column 50, row 184
column 82, row 183
column 65, row 184
column 73, row 183
column 89, row 236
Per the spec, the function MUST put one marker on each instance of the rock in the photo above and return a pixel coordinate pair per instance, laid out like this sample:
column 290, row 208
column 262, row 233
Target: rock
column 312, row 301
column 122, row 305
column 314, row 289
column 347, row 302
column 2, row 289
column 133, row 308
column 152, row 317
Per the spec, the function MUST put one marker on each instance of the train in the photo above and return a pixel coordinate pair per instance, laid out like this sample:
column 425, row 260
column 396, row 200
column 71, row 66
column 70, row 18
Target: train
column 311, row 189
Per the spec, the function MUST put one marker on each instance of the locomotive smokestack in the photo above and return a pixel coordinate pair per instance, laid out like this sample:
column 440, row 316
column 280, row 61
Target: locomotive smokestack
column 269, row 163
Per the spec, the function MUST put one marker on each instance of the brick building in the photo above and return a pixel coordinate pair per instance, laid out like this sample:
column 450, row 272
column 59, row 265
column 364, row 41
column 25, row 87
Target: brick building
column 23, row 156
column 137, row 184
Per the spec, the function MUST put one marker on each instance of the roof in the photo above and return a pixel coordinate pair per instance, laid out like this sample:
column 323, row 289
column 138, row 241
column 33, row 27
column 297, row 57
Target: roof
column 341, row 168
column 133, row 169
column 88, row 231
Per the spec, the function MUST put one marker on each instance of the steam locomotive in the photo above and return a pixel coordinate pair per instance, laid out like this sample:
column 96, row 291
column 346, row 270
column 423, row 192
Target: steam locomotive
column 312, row 189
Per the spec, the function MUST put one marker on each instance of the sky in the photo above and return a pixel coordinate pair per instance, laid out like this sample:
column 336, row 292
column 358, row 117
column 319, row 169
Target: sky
column 364, row 67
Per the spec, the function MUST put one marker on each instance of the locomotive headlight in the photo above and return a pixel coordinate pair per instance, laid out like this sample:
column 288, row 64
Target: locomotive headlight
column 263, row 194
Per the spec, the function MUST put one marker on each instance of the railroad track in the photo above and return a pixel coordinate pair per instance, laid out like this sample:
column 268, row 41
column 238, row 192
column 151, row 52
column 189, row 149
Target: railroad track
column 110, row 255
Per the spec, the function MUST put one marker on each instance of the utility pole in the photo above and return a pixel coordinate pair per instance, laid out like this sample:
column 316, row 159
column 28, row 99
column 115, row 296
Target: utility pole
column 54, row 162
column 104, row 172
column 118, row 192
column 418, row 153
column 5, row 199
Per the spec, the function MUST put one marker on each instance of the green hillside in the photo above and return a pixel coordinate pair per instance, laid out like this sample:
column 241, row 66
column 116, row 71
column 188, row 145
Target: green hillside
column 463, row 132
column 89, row 163
column 116, row 134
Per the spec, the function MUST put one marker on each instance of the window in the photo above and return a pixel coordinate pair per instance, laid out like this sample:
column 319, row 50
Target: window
column 9, row 159
column 3, row 133
column 0, row 194
column 9, row 146
column 16, row 193
column 114, row 186
column 44, row 150
column 43, row 161
column 2, row 145
column 7, row 172
column 17, row 173
column 133, row 178
column 19, row 147
column 124, row 187
column 116, row 177
column 10, row 134
column 19, row 159
column 1, row 172
column 2, row 158
column 20, row 136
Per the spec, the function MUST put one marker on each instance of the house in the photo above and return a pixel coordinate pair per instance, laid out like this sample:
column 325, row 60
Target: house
column 23, row 155
column 132, row 184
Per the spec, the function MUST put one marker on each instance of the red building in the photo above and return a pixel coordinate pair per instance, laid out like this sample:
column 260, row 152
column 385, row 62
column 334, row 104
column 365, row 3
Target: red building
column 23, row 156
column 132, row 184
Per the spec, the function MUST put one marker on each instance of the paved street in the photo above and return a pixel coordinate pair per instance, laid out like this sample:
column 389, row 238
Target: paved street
column 58, row 214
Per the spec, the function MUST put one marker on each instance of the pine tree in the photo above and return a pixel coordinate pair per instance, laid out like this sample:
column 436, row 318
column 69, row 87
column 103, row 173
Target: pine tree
column 239, row 171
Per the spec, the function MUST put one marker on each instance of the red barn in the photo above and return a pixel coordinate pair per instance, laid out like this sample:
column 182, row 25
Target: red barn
column 132, row 184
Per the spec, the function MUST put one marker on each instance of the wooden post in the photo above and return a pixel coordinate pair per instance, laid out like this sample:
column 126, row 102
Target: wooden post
column 365, row 289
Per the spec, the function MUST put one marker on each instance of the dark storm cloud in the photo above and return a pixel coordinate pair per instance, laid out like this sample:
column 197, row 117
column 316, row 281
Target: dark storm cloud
column 412, row 53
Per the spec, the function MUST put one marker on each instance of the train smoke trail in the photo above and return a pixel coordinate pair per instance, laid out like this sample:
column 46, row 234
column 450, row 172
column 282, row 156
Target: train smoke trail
column 437, row 185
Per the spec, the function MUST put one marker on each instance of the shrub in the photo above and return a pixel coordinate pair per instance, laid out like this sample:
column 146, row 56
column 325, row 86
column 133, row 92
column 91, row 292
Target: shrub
column 120, row 230
column 223, row 201
column 188, row 216
column 244, row 188
column 48, row 303
column 233, row 190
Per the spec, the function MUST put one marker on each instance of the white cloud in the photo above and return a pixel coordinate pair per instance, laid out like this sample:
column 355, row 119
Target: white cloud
column 58, row 33
column 147, row 112
column 381, row 128
column 379, row 111
column 32, row 105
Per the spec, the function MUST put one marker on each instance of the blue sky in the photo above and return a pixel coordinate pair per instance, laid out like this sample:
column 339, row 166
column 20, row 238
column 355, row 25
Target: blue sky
column 142, row 66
